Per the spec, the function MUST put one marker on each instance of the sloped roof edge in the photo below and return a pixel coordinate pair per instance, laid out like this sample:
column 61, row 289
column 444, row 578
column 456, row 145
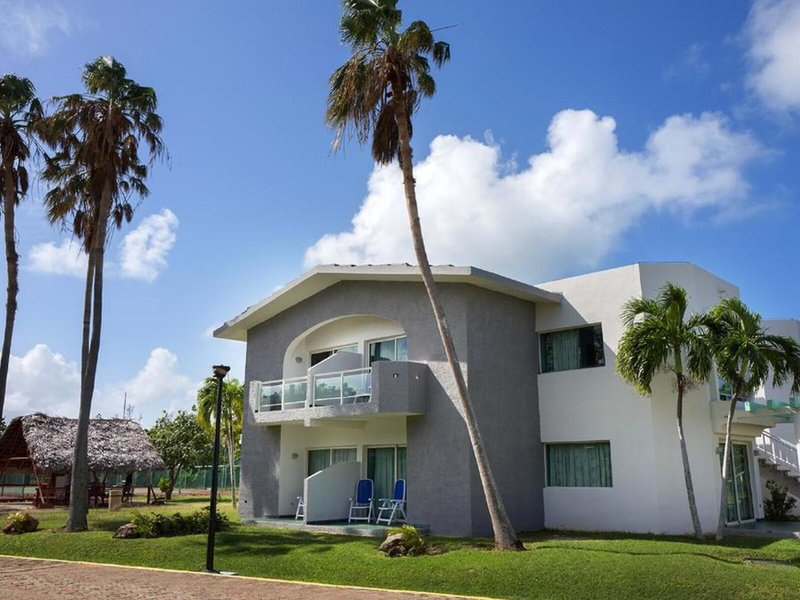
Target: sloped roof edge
column 319, row 278
column 115, row 445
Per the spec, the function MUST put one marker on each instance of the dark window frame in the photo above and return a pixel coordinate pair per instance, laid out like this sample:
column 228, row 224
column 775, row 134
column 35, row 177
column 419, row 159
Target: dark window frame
column 586, row 359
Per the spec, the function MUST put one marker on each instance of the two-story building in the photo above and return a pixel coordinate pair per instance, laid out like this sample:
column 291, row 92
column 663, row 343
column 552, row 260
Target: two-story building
column 347, row 379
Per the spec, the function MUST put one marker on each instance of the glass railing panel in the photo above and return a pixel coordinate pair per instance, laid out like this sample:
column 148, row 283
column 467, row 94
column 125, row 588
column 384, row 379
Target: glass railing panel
column 356, row 386
column 271, row 396
column 327, row 389
column 294, row 393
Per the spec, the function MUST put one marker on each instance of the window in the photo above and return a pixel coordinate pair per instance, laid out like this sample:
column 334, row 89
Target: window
column 391, row 349
column 318, row 357
column 323, row 458
column 384, row 466
column 572, row 349
column 586, row 464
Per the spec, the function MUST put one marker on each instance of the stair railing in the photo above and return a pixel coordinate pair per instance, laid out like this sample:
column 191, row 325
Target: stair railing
column 782, row 452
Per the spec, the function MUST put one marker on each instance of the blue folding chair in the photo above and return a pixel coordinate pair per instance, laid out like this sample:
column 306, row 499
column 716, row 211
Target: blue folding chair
column 361, row 506
column 394, row 508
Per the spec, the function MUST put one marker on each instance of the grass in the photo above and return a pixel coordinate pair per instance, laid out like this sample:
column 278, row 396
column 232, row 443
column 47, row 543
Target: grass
column 557, row 565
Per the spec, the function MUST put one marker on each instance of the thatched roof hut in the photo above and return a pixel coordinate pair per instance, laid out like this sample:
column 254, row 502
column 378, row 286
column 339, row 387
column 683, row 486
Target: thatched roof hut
column 115, row 445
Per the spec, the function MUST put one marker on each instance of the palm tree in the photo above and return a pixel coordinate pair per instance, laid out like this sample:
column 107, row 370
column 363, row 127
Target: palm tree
column 230, row 416
column 20, row 110
column 657, row 338
column 95, row 170
column 374, row 95
column 745, row 355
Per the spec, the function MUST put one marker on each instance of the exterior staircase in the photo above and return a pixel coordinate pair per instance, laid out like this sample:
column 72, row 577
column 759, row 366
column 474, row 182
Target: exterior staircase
column 779, row 462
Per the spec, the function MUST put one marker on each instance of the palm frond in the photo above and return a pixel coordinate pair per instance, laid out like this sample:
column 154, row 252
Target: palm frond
column 385, row 63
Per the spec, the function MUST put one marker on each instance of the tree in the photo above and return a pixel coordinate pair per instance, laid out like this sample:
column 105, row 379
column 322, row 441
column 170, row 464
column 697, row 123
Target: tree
column 745, row 355
column 95, row 170
column 230, row 417
column 374, row 95
column 181, row 442
column 657, row 338
column 20, row 111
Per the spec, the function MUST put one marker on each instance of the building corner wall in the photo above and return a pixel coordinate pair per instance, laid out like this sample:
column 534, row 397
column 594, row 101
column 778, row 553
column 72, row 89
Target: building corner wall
column 503, row 362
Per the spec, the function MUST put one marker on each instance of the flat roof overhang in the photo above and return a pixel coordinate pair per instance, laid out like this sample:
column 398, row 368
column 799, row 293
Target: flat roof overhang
column 319, row 278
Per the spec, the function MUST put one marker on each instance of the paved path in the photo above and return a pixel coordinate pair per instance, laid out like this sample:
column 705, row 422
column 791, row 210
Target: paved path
column 35, row 579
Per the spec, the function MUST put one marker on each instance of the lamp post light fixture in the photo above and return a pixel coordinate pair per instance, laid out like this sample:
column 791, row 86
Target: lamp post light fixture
column 220, row 371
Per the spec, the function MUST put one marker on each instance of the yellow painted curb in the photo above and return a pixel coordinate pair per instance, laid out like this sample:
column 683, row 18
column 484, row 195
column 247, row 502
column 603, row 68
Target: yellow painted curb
column 266, row 579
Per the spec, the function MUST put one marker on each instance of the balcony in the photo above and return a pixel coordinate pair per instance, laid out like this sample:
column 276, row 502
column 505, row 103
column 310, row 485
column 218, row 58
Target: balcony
column 328, row 389
column 386, row 387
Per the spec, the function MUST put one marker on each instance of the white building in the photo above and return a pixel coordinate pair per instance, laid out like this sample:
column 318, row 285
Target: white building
column 571, row 445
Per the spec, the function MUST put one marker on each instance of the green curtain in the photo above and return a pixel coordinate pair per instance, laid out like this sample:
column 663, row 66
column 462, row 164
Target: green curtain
column 384, row 350
column 380, row 468
column 579, row 465
column 401, row 463
column 318, row 460
column 402, row 349
column 343, row 455
column 566, row 350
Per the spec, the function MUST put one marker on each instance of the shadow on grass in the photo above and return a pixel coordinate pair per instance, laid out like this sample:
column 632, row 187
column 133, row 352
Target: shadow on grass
column 753, row 543
column 729, row 561
column 232, row 543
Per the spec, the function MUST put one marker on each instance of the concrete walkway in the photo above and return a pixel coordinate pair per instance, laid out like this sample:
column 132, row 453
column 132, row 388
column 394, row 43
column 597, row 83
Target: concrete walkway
column 37, row 579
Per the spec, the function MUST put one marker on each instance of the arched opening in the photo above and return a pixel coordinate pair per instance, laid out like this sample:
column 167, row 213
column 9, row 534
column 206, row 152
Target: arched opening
column 366, row 337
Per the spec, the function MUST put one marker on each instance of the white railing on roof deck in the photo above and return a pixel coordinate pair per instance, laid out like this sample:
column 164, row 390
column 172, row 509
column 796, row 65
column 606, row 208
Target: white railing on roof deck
column 328, row 389
column 780, row 451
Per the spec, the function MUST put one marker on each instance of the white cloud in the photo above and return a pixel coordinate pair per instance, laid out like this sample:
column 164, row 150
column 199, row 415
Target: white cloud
column 44, row 380
column 773, row 34
column 692, row 64
column 64, row 259
column 568, row 207
column 27, row 27
column 144, row 250
column 157, row 386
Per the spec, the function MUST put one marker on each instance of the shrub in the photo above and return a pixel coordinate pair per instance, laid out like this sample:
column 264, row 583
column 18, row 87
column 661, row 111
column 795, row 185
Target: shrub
column 778, row 507
column 161, row 525
column 165, row 485
column 405, row 540
column 20, row 522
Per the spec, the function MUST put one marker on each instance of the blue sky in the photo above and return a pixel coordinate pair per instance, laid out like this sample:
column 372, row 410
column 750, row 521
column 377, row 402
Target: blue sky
column 564, row 137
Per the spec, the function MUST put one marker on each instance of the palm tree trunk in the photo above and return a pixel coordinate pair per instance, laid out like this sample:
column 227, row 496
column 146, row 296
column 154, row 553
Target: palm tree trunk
column 687, row 473
column 726, row 453
column 12, row 266
column 231, row 463
column 79, row 505
column 505, row 538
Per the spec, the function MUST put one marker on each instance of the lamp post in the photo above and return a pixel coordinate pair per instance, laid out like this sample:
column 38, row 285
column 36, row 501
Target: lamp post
column 219, row 372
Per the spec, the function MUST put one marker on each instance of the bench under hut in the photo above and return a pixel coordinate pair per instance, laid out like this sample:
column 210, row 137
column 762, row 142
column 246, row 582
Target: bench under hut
column 42, row 446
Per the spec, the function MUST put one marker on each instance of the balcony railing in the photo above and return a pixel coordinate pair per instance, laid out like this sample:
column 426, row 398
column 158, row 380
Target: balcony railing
column 344, row 387
column 284, row 394
column 328, row 389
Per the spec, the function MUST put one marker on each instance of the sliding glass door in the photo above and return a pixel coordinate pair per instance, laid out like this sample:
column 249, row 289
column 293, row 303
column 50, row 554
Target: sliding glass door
column 740, row 496
column 384, row 466
column 323, row 458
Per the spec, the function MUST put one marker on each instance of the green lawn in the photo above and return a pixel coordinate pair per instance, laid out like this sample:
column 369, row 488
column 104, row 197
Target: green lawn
column 557, row 565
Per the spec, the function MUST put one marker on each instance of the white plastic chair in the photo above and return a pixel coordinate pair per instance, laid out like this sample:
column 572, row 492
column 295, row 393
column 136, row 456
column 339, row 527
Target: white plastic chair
column 300, row 513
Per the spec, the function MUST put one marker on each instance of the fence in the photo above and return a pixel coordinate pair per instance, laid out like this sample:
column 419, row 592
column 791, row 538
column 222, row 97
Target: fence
column 198, row 478
column 18, row 485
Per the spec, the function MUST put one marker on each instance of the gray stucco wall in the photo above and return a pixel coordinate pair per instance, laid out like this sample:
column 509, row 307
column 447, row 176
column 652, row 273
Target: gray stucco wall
column 503, row 356
column 444, row 490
